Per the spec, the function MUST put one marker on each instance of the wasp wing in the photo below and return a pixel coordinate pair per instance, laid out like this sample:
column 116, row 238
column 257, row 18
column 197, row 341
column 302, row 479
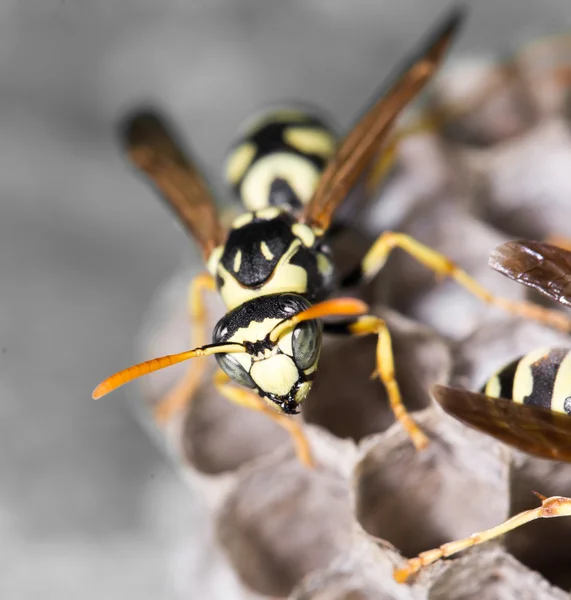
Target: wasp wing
column 361, row 144
column 532, row 429
column 154, row 150
column 539, row 265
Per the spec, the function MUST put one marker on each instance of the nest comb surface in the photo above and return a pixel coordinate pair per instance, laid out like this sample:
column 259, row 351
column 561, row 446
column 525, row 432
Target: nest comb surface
column 289, row 532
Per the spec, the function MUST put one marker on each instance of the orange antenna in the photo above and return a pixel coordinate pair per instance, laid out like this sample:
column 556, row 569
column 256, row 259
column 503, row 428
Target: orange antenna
column 328, row 308
column 155, row 364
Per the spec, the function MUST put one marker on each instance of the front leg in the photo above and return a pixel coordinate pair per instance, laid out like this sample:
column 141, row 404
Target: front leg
column 180, row 396
column 385, row 370
column 249, row 399
column 377, row 256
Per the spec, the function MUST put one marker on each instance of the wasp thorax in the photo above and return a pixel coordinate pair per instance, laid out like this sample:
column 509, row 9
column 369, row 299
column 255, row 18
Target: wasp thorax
column 282, row 370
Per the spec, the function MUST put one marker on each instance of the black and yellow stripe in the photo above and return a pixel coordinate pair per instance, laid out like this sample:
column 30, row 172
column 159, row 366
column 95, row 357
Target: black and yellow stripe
column 279, row 158
column 540, row 378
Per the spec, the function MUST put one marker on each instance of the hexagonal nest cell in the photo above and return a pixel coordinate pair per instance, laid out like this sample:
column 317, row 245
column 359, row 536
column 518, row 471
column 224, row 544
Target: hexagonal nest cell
column 495, row 171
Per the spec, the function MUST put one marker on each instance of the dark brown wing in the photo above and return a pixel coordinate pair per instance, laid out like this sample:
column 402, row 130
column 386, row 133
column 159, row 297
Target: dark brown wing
column 532, row 429
column 154, row 150
column 361, row 144
column 542, row 266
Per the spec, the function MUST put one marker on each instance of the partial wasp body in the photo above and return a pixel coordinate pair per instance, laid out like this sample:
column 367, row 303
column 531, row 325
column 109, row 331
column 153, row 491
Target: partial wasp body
column 525, row 404
column 273, row 268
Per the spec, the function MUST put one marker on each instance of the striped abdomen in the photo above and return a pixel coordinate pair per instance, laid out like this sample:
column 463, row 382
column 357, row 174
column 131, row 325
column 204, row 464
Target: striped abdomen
column 279, row 159
column 540, row 378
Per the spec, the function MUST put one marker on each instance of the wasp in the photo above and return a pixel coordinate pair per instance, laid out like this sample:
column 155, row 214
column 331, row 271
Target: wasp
column 527, row 403
column 274, row 268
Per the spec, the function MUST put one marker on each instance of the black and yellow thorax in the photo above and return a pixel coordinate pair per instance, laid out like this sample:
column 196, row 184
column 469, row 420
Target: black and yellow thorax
column 269, row 252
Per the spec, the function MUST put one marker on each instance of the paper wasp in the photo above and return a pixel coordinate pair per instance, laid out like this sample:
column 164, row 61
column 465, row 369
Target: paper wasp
column 527, row 403
column 274, row 269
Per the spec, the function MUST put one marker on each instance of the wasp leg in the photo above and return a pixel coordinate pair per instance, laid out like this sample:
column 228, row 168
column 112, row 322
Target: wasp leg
column 556, row 506
column 385, row 370
column 377, row 256
column 180, row 396
column 387, row 156
column 560, row 241
column 249, row 399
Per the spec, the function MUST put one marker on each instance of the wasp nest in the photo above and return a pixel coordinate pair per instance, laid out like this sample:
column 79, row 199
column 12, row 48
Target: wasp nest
column 497, row 170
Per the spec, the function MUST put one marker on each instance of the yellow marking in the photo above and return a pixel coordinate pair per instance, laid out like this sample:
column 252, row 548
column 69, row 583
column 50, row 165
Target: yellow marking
column 493, row 387
column 304, row 233
column 237, row 261
column 268, row 254
column 268, row 213
column 302, row 392
column 285, row 278
column 285, row 343
column 239, row 161
column 523, row 378
column 242, row 220
column 275, row 375
column 254, row 332
column 274, row 116
column 214, row 259
column 324, row 265
column 301, row 175
column 562, row 386
column 311, row 141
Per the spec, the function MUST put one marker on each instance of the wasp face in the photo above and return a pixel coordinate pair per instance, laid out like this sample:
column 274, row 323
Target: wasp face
column 281, row 371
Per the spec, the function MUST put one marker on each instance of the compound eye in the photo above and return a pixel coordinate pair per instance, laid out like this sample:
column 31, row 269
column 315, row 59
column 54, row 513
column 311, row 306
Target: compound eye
column 292, row 304
column 306, row 343
column 234, row 370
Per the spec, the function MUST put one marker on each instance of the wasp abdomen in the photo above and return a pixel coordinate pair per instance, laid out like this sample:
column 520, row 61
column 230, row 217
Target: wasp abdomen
column 540, row 378
column 279, row 159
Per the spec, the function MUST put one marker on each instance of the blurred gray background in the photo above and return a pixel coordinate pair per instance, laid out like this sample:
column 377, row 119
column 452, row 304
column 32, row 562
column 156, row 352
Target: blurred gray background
column 89, row 508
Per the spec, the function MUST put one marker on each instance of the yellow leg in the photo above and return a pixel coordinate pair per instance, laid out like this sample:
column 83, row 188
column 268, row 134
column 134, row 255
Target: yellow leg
column 556, row 506
column 560, row 241
column 386, row 373
column 179, row 397
column 249, row 399
column 387, row 156
column 442, row 266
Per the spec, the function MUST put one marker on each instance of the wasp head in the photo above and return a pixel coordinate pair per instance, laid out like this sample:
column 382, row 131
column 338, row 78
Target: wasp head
column 279, row 367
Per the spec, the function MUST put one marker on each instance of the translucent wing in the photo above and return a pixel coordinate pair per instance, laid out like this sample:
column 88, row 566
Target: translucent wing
column 360, row 146
column 154, row 150
column 542, row 266
column 532, row 429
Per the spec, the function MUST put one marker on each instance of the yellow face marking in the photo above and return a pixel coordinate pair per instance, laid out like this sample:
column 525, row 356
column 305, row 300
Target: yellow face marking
column 237, row 261
column 242, row 220
column 523, row 378
column 255, row 332
column 214, row 259
column 562, row 386
column 285, row 343
column 304, row 233
column 301, row 175
column 267, row 253
column 311, row 141
column 286, row 278
column 239, row 161
column 493, row 387
column 275, row 375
